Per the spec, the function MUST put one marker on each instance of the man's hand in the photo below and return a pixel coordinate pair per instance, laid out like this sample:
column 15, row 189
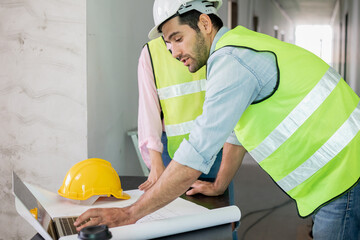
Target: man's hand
column 175, row 180
column 231, row 161
column 154, row 175
column 111, row 217
column 204, row 187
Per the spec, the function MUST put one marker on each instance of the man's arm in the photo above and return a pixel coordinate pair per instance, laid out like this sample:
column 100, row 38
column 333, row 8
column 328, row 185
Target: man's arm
column 231, row 161
column 175, row 180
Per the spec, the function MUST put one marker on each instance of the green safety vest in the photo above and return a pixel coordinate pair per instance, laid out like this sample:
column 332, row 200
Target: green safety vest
column 181, row 93
column 306, row 135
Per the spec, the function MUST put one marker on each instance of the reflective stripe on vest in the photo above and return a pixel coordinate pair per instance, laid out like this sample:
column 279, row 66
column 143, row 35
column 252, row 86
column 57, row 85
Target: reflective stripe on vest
column 327, row 152
column 181, row 89
column 176, row 91
column 297, row 117
column 179, row 129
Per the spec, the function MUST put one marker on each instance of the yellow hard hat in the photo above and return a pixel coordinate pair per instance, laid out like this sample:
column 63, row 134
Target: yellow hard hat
column 92, row 177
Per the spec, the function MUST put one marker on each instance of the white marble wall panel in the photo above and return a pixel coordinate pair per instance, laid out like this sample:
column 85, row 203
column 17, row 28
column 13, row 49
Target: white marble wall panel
column 43, row 107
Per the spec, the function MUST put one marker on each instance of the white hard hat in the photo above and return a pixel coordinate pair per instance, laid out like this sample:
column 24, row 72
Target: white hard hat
column 164, row 9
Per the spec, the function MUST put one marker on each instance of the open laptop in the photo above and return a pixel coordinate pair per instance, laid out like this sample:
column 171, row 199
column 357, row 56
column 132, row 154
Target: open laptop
column 55, row 227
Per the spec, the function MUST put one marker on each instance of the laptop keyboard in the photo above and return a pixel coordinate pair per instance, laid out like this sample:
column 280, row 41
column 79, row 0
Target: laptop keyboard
column 67, row 224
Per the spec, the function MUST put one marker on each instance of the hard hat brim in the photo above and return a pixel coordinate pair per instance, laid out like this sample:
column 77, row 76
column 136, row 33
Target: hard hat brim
column 154, row 33
column 124, row 196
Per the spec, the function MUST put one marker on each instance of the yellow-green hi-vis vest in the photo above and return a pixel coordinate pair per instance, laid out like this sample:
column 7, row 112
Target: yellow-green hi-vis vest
column 181, row 93
column 306, row 135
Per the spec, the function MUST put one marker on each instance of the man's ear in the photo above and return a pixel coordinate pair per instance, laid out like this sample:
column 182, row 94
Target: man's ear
column 205, row 23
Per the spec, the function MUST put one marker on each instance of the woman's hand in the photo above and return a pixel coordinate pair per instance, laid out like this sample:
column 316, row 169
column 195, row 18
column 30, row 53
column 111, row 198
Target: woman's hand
column 157, row 168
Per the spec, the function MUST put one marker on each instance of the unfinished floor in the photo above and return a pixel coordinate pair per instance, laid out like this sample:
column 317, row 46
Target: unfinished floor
column 254, row 191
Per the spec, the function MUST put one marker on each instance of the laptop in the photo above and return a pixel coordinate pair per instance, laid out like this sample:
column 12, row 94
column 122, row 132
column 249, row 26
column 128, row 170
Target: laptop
column 55, row 227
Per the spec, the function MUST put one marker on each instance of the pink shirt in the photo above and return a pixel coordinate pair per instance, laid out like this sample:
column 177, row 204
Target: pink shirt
column 150, row 126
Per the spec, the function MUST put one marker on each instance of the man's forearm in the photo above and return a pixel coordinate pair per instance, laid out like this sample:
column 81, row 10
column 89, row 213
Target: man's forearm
column 175, row 180
column 230, row 163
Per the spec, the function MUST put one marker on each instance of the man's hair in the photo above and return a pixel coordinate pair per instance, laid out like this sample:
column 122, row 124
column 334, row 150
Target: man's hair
column 191, row 18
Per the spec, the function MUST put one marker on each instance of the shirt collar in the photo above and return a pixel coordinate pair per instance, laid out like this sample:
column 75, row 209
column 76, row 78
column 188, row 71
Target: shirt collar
column 218, row 35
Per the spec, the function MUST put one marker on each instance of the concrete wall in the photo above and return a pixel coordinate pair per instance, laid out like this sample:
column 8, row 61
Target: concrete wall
column 43, row 109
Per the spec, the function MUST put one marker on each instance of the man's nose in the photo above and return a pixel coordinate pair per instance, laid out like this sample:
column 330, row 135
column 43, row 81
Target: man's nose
column 175, row 52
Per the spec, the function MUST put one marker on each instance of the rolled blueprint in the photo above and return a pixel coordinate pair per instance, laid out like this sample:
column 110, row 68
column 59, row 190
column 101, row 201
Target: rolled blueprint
column 174, row 225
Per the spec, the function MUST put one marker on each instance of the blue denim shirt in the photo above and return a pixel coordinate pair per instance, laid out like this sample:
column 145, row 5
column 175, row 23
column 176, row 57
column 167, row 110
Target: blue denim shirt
column 236, row 77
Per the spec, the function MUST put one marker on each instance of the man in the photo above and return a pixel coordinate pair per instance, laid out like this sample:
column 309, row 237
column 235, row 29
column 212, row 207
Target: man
column 302, row 128
column 170, row 97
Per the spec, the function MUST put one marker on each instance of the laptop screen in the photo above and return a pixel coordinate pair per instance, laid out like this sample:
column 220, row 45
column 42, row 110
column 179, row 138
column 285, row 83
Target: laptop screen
column 31, row 203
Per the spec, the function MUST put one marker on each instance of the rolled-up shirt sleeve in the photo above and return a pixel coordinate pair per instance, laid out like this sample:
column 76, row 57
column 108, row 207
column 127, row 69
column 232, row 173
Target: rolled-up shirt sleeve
column 149, row 122
column 230, row 88
column 233, row 139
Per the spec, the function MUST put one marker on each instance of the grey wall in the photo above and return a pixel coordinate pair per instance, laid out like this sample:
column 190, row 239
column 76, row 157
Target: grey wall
column 352, row 9
column 269, row 15
column 43, row 108
column 116, row 33
column 335, row 24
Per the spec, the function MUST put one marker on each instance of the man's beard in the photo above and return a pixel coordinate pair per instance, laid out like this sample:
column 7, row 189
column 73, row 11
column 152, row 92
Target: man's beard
column 200, row 53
